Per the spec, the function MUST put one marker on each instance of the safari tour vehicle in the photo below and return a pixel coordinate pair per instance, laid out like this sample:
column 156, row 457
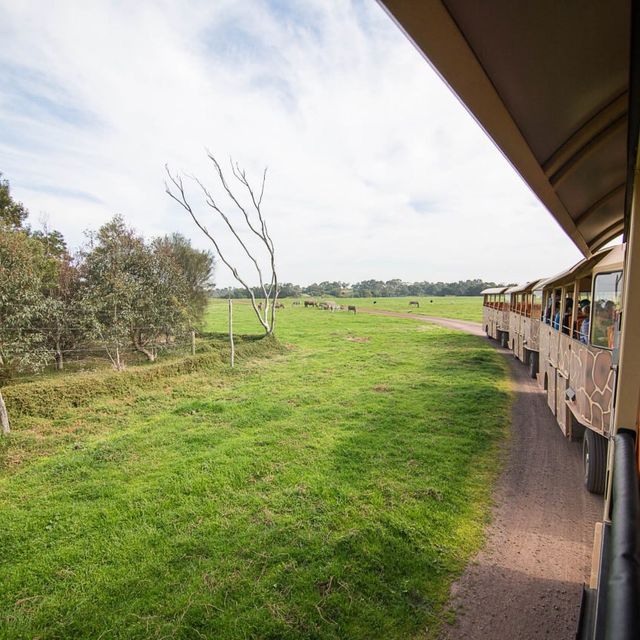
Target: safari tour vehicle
column 556, row 85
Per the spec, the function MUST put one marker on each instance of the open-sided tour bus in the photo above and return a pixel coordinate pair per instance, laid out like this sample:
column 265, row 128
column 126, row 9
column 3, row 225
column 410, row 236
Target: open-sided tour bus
column 556, row 85
column 492, row 306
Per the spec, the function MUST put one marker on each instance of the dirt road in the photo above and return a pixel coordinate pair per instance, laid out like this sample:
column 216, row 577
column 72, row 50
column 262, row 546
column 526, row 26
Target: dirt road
column 526, row 582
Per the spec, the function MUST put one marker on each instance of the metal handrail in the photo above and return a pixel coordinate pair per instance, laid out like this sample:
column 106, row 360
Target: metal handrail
column 623, row 581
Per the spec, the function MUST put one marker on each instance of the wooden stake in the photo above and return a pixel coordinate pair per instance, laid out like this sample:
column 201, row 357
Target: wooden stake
column 193, row 342
column 233, row 348
column 4, row 416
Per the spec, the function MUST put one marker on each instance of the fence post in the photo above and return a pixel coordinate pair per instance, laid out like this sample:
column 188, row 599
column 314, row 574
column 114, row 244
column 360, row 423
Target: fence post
column 233, row 348
column 4, row 416
column 193, row 342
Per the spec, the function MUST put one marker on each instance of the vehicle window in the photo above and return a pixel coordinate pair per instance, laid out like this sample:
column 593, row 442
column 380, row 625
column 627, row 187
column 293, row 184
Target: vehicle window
column 536, row 304
column 607, row 296
column 582, row 314
column 556, row 309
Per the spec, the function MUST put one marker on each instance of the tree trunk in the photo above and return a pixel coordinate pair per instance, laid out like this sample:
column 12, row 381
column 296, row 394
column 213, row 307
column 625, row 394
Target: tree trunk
column 118, row 361
column 137, row 343
column 59, row 357
column 4, row 416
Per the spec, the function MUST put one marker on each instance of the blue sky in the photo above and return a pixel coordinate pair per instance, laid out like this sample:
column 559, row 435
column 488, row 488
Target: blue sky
column 375, row 169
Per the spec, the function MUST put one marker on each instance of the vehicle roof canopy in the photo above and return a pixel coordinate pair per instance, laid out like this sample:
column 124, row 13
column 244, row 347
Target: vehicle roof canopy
column 609, row 257
column 552, row 96
column 525, row 288
column 493, row 291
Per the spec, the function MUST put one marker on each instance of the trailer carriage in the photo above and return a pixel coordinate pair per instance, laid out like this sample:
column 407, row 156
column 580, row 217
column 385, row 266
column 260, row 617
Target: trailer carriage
column 524, row 323
column 579, row 334
column 492, row 306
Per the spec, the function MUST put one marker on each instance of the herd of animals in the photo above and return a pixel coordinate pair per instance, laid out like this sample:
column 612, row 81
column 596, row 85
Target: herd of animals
column 330, row 306
column 327, row 306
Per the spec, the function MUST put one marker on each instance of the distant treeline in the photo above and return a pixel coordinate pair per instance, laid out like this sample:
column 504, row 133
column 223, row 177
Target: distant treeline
column 369, row 289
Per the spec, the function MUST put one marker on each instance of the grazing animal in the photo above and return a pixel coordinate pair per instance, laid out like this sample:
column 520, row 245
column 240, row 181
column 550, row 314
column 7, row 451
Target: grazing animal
column 295, row 304
column 351, row 308
column 414, row 303
column 310, row 303
column 279, row 305
column 260, row 306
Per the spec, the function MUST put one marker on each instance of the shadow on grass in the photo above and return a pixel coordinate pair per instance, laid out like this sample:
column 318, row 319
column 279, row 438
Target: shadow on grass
column 417, row 470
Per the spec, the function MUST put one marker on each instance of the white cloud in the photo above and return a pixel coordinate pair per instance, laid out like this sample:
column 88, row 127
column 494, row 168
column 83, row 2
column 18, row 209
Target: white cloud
column 375, row 170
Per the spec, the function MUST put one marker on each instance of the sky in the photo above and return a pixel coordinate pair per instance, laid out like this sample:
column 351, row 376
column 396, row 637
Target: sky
column 374, row 169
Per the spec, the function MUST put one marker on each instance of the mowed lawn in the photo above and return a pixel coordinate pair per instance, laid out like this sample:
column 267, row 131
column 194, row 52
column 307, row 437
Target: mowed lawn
column 333, row 489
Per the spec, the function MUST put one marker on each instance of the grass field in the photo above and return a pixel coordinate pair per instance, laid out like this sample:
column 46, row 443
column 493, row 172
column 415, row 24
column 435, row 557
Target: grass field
column 459, row 308
column 332, row 488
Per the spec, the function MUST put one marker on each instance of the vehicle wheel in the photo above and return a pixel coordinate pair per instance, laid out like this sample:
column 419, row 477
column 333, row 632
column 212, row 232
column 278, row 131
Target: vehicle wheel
column 504, row 340
column 533, row 365
column 594, row 459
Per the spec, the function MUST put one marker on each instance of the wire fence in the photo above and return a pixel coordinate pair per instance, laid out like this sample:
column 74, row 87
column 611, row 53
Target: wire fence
column 91, row 354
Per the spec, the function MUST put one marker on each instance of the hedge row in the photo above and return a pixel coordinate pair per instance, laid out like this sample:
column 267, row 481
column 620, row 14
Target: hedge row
column 47, row 398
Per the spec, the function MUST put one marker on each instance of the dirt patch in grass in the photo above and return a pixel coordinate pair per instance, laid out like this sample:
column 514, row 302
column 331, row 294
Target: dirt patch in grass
column 382, row 388
column 358, row 339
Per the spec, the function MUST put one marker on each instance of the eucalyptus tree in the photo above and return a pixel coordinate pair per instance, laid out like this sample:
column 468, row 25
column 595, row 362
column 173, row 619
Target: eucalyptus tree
column 139, row 292
column 21, row 307
column 112, row 267
column 196, row 267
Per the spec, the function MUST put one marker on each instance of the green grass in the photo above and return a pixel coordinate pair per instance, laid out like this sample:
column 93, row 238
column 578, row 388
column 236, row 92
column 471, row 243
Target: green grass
column 333, row 490
column 457, row 307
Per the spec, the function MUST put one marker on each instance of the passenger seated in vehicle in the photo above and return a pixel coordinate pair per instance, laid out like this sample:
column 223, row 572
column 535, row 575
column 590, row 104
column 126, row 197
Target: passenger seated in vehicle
column 556, row 317
column 582, row 314
column 584, row 327
column 566, row 319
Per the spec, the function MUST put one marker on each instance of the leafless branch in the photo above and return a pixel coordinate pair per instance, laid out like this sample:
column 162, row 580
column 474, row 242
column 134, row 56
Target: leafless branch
column 175, row 189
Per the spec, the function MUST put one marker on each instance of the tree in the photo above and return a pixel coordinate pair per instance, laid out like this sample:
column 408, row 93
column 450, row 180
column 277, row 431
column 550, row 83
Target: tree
column 251, row 220
column 139, row 292
column 21, row 303
column 70, row 319
column 12, row 213
column 197, row 270
column 112, row 268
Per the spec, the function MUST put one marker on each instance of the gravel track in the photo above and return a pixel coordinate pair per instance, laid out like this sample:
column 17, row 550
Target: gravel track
column 526, row 582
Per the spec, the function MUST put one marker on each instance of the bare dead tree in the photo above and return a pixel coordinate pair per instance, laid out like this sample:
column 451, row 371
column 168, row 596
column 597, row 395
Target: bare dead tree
column 251, row 220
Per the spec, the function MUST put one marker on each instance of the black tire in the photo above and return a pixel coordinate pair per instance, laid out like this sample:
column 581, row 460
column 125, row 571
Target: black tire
column 533, row 364
column 504, row 340
column 594, row 460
